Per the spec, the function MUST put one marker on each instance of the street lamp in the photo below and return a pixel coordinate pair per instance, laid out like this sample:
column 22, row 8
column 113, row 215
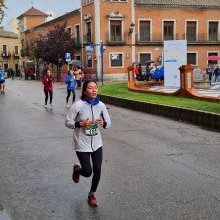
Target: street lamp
column 131, row 28
column 102, row 49
column 59, row 63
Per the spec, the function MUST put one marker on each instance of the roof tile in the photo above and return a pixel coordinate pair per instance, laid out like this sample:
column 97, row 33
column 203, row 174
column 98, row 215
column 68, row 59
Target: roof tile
column 33, row 12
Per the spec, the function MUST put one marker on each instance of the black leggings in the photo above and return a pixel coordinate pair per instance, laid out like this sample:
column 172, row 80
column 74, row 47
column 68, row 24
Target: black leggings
column 86, row 170
column 78, row 83
column 46, row 96
column 68, row 95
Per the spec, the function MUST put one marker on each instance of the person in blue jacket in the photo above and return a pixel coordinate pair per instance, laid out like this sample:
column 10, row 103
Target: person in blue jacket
column 2, row 80
column 71, row 84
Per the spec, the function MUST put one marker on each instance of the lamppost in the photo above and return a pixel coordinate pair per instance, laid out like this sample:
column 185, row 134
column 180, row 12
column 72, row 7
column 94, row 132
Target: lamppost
column 131, row 28
column 102, row 49
column 59, row 64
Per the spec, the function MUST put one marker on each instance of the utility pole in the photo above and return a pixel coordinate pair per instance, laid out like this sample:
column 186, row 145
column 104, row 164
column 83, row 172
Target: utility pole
column 102, row 49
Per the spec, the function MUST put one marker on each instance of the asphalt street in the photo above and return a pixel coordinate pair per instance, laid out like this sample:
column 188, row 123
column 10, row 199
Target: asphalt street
column 153, row 167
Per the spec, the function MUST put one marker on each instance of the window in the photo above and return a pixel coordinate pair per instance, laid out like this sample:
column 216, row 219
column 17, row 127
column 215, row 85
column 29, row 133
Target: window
column 213, row 31
column 116, row 60
column 144, row 27
column 5, row 50
column 115, row 30
column 168, row 30
column 77, row 57
column 69, row 31
column 89, row 60
column 191, row 30
column 88, row 32
column 85, row 2
column 191, row 58
column 5, row 66
column 16, row 68
column 77, row 34
column 16, row 50
column 144, row 57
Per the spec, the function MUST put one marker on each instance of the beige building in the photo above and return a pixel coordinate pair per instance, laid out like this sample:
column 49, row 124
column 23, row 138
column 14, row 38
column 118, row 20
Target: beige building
column 9, row 53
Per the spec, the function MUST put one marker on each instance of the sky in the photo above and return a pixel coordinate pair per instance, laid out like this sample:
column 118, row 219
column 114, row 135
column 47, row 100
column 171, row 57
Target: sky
column 18, row 7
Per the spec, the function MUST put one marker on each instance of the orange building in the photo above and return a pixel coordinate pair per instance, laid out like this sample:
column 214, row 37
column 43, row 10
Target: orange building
column 134, row 30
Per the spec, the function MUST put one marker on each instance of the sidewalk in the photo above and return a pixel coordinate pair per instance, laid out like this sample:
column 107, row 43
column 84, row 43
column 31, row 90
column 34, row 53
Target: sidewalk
column 213, row 90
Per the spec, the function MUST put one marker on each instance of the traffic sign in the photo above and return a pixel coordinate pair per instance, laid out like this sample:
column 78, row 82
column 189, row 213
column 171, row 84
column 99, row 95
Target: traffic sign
column 68, row 57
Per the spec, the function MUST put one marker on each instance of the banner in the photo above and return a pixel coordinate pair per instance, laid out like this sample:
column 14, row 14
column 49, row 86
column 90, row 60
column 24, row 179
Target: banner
column 175, row 55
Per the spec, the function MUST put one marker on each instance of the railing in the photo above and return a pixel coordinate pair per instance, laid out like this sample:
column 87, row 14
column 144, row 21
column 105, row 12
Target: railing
column 116, row 39
column 191, row 39
column 16, row 55
column 88, row 38
column 77, row 42
column 6, row 54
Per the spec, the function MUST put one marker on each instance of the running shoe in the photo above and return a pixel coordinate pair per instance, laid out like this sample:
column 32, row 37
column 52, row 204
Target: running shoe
column 51, row 105
column 75, row 175
column 45, row 106
column 92, row 200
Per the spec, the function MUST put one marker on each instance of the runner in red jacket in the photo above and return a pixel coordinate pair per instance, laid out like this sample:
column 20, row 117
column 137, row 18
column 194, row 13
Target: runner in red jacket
column 48, row 81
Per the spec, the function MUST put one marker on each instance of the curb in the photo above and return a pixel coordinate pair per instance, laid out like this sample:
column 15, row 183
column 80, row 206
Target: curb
column 205, row 119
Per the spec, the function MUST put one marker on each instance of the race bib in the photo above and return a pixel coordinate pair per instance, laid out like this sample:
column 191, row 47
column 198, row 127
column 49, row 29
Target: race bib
column 92, row 130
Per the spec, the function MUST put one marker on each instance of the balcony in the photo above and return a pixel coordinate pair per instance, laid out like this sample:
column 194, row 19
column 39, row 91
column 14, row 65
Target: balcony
column 16, row 55
column 77, row 42
column 88, row 38
column 6, row 54
column 116, row 39
column 157, row 39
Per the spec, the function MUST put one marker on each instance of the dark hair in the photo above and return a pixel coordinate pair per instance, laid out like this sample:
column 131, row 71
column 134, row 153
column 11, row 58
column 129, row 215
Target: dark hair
column 85, row 84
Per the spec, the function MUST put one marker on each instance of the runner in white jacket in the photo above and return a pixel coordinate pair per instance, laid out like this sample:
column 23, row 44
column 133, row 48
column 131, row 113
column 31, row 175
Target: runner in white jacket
column 85, row 117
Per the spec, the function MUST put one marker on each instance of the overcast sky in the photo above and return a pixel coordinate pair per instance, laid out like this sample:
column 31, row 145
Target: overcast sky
column 18, row 7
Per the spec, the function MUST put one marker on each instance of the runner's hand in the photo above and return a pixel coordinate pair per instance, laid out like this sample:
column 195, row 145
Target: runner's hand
column 100, row 122
column 86, row 123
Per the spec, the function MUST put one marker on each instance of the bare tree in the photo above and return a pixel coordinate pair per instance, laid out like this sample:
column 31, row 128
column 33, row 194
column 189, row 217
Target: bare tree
column 2, row 12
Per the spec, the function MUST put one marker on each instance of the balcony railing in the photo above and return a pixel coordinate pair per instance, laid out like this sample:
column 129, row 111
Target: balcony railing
column 16, row 55
column 88, row 39
column 116, row 39
column 6, row 54
column 77, row 42
column 203, row 38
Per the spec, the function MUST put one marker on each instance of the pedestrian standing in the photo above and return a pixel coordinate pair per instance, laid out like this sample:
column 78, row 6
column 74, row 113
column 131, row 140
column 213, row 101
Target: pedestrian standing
column 2, row 80
column 77, row 74
column 71, row 84
column 136, row 71
column 209, row 72
column 148, row 72
column 48, row 81
column 86, row 117
column 217, row 74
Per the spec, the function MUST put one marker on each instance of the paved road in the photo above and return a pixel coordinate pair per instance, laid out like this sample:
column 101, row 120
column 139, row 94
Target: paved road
column 153, row 168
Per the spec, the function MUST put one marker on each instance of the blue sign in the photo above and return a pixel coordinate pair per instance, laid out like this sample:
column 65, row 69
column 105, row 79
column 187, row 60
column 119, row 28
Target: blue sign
column 68, row 57
column 89, row 48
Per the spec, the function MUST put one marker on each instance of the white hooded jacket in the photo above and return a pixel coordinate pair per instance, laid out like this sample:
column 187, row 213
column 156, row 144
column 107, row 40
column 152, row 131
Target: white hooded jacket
column 80, row 111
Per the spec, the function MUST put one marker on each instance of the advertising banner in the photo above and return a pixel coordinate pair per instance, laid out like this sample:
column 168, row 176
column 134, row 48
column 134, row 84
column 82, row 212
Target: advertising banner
column 175, row 55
